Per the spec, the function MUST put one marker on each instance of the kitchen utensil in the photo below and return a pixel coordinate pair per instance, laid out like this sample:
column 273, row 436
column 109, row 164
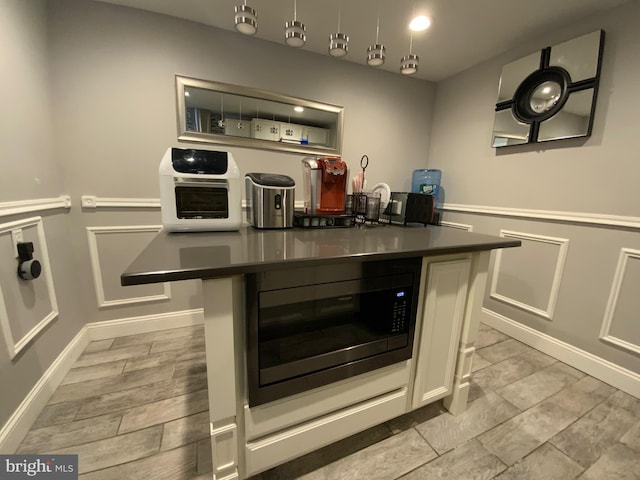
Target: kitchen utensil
column 364, row 163
column 372, row 211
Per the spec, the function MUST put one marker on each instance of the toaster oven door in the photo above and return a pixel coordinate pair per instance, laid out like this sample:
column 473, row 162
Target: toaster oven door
column 201, row 201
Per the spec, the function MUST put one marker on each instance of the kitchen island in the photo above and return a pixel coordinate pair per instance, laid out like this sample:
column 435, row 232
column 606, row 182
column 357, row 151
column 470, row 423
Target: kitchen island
column 248, row 439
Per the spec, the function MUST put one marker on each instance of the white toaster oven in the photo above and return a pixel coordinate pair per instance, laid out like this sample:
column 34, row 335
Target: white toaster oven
column 200, row 190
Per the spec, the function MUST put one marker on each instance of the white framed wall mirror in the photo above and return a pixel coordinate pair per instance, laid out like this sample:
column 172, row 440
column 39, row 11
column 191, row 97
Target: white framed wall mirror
column 221, row 113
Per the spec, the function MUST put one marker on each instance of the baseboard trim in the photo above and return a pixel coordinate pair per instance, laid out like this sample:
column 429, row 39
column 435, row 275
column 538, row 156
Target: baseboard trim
column 597, row 367
column 16, row 428
column 18, row 425
column 144, row 324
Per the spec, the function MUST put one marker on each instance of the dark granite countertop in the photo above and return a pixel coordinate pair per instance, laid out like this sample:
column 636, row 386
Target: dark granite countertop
column 184, row 256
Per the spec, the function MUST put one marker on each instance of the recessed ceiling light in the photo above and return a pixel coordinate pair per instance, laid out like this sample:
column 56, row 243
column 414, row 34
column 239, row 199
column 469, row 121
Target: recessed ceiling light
column 420, row 23
column 298, row 109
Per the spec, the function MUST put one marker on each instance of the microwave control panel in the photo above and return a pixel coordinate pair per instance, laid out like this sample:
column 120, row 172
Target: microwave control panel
column 399, row 312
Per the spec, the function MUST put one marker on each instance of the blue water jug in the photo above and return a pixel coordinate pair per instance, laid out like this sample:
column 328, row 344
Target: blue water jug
column 427, row 180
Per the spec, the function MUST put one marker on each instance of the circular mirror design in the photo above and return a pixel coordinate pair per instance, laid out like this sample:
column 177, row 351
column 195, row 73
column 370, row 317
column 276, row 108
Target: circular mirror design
column 541, row 95
column 545, row 96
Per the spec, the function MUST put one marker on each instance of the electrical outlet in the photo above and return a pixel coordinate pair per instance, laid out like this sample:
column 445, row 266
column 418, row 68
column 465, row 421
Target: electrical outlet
column 16, row 237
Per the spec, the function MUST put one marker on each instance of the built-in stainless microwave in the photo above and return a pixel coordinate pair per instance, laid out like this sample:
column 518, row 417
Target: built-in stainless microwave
column 312, row 326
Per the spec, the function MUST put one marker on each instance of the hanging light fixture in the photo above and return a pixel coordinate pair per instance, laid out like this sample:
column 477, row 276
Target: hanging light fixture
column 338, row 42
column 409, row 63
column 294, row 31
column 246, row 19
column 376, row 52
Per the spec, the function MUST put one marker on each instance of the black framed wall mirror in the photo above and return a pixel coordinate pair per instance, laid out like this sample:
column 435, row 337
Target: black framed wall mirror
column 551, row 94
column 221, row 113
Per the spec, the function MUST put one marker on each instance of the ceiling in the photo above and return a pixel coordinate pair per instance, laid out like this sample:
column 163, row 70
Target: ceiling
column 463, row 33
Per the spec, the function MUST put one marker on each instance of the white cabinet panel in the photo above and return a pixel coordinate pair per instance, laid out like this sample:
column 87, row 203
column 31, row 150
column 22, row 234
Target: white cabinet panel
column 439, row 335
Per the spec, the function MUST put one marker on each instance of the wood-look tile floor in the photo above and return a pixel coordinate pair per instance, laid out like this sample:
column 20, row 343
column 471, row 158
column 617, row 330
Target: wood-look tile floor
column 136, row 408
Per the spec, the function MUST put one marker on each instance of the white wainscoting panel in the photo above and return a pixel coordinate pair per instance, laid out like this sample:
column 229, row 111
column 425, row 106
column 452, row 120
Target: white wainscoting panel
column 14, row 346
column 630, row 316
column 459, row 226
column 94, row 253
column 563, row 245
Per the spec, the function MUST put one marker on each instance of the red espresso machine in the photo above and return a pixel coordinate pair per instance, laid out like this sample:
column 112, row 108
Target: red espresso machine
column 325, row 185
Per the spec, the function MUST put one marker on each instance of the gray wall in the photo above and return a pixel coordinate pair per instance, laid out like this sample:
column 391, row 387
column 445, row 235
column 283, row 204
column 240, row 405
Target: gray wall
column 594, row 178
column 30, row 171
column 91, row 96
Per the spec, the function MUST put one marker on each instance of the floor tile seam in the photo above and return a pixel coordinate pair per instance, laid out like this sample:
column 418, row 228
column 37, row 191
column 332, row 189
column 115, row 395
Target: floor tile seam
column 137, row 429
column 112, row 391
column 96, row 378
column 71, row 445
column 147, row 355
column 585, row 467
column 155, row 452
column 129, row 408
column 206, row 408
column 67, row 424
column 110, row 350
column 576, row 380
column 577, row 420
column 630, row 447
column 173, row 350
column 191, row 334
column 427, row 442
column 406, row 474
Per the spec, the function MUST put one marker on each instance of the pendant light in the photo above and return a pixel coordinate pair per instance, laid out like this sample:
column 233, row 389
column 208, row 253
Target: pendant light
column 338, row 42
column 246, row 19
column 294, row 31
column 376, row 52
column 409, row 63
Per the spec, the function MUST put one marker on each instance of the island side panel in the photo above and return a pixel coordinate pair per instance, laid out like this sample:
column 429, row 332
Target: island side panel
column 456, row 403
column 221, row 297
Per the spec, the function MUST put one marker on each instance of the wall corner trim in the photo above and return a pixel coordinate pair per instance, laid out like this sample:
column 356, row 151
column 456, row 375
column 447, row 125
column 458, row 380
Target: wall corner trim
column 604, row 370
column 18, row 425
column 37, row 205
